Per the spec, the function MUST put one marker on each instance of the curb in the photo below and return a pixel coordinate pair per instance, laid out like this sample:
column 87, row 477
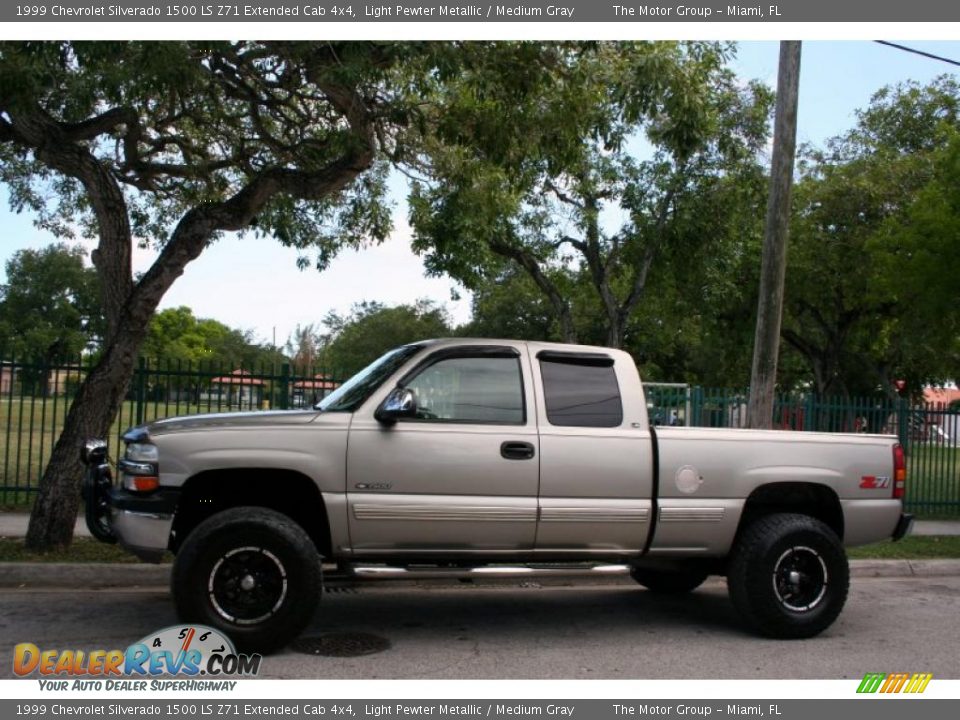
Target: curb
column 82, row 575
column 95, row 576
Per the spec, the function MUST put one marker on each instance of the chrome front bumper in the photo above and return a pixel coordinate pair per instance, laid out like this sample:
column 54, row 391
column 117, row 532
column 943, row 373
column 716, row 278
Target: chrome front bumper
column 145, row 534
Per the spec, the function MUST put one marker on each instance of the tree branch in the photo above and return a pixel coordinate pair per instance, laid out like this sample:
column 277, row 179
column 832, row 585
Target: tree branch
column 531, row 265
column 104, row 123
column 35, row 129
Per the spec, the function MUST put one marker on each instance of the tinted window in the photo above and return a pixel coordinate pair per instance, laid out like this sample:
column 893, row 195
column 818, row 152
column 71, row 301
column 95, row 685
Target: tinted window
column 581, row 393
column 470, row 389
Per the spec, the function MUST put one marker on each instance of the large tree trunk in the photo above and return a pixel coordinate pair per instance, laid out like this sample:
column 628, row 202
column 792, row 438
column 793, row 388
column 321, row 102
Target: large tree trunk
column 97, row 403
column 68, row 149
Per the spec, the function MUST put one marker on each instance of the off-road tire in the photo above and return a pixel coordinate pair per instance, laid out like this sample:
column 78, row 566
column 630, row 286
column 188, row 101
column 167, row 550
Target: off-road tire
column 668, row 582
column 788, row 576
column 250, row 572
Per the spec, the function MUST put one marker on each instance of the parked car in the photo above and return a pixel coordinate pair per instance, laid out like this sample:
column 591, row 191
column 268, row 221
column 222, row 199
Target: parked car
column 459, row 455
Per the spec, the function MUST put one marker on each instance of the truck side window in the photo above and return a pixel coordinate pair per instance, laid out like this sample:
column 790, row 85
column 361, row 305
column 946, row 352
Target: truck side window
column 580, row 392
column 470, row 390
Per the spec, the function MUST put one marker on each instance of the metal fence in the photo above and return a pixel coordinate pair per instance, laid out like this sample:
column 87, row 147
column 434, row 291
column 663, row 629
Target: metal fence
column 34, row 400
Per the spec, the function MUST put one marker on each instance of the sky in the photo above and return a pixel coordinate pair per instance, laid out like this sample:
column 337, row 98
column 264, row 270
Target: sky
column 254, row 284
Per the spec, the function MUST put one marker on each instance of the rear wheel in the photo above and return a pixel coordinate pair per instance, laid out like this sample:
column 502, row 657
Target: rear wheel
column 251, row 572
column 788, row 576
column 668, row 582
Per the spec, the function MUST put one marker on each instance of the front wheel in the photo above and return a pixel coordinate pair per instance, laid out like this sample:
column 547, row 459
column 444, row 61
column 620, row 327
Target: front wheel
column 251, row 572
column 788, row 576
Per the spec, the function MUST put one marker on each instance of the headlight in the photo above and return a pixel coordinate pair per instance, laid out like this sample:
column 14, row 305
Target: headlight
column 139, row 467
column 142, row 452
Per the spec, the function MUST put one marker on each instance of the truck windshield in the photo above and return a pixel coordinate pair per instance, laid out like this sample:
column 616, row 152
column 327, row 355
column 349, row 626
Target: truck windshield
column 349, row 396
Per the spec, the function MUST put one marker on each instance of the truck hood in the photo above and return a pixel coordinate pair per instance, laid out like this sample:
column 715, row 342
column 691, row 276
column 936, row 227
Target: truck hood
column 220, row 421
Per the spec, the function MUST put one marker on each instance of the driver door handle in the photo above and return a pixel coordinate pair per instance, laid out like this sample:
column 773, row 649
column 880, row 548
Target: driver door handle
column 517, row 450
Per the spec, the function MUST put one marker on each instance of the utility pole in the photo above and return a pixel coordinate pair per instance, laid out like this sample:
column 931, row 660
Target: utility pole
column 766, row 344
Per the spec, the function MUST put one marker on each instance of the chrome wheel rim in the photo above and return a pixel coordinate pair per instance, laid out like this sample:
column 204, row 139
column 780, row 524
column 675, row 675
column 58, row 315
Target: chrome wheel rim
column 247, row 585
column 800, row 579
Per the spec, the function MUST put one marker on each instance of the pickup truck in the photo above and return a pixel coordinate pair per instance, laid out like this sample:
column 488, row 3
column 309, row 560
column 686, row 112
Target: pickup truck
column 461, row 456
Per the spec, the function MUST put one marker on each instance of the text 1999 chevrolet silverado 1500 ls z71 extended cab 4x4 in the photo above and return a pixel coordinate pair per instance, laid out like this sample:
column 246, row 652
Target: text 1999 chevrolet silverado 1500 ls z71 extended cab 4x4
column 466, row 454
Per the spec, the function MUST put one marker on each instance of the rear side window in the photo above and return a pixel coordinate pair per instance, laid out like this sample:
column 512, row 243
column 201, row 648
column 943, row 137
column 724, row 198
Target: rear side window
column 580, row 391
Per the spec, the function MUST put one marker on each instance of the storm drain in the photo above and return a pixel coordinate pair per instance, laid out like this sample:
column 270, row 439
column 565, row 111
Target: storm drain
column 341, row 645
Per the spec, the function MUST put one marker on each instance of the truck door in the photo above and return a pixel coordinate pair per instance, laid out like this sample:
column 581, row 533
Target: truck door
column 460, row 476
column 596, row 465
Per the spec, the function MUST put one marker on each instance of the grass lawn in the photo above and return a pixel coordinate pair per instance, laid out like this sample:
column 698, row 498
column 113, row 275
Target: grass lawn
column 913, row 547
column 29, row 427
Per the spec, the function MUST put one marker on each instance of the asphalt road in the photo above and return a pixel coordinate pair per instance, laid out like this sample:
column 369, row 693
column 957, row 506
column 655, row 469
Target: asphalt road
column 616, row 631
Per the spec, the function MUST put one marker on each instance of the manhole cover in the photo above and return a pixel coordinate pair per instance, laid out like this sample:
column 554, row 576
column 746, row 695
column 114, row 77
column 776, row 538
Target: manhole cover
column 341, row 645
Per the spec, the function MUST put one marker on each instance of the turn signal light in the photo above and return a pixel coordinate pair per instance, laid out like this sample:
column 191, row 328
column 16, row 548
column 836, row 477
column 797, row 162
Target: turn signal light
column 146, row 483
column 140, row 483
column 899, row 471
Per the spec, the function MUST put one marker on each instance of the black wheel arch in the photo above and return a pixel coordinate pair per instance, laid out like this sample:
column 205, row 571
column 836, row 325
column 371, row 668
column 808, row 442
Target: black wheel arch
column 815, row 500
column 285, row 491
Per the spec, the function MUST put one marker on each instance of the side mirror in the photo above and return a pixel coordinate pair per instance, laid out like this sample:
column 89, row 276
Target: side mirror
column 400, row 403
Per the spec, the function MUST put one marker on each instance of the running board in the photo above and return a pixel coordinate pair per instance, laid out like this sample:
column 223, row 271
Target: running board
column 387, row 572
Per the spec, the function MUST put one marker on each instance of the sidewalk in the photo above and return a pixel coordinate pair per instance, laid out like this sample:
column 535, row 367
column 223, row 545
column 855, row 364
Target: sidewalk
column 15, row 525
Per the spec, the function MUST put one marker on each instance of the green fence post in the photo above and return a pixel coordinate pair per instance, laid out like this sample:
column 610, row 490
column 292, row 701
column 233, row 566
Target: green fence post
column 810, row 413
column 284, row 386
column 903, row 423
column 696, row 405
column 141, row 385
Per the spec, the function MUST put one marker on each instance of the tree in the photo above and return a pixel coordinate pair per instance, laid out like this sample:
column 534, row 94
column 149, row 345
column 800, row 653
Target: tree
column 871, row 285
column 174, row 144
column 49, row 311
column 177, row 340
column 510, row 305
column 571, row 193
column 371, row 328
column 176, row 335
column 306, row 347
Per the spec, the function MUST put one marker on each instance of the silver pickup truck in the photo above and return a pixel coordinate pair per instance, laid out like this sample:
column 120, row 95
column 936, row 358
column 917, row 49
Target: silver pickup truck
column 465, row 456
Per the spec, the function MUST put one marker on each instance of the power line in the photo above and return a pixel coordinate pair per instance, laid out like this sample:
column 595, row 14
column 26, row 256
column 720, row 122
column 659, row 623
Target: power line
column 918, row 52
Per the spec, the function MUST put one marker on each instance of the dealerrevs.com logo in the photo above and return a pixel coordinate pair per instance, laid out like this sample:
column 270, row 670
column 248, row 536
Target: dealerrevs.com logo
column 180, row 651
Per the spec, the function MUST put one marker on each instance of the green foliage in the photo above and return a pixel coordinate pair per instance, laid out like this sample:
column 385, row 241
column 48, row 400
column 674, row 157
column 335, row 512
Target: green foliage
column 871, row 279
column 511, row 306
column 371, row 328
column 49, row 305
column 616, row 156
column 176, row 336
column 182, row 124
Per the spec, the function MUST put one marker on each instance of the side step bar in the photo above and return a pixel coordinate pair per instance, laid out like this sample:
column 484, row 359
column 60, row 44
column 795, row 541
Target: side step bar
column 388, row 572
